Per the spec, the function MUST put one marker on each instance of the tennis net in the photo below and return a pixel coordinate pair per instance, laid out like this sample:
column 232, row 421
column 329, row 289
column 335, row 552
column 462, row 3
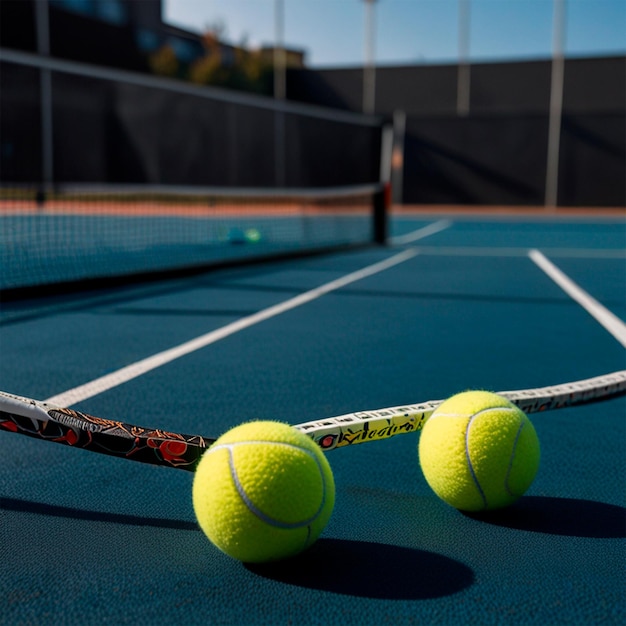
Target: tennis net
column 82, row 236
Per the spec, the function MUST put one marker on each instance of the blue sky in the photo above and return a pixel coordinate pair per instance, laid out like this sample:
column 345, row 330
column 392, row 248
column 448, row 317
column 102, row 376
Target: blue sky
column 411, row 31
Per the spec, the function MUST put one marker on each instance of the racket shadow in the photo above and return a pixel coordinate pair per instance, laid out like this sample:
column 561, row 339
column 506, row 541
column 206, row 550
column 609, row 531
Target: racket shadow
column 370, row 570
column 568, row 517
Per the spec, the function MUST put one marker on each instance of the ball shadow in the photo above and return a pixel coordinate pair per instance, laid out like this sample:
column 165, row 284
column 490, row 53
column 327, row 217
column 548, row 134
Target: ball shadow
column 370, row 570
column 568, row 517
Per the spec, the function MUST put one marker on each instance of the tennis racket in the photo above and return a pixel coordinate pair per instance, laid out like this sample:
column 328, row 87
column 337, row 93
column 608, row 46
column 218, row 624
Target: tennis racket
column 161, row 447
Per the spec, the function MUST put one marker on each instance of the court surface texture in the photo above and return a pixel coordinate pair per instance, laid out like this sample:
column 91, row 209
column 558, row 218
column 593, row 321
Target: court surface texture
column 451, row 303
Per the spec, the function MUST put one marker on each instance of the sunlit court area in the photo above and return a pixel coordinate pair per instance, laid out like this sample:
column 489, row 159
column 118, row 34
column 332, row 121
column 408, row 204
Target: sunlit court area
column 313, row 312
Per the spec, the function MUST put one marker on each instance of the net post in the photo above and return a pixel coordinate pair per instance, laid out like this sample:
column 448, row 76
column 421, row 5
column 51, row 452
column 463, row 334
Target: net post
column 40, row 198
column 382, row 200
column 397, row 156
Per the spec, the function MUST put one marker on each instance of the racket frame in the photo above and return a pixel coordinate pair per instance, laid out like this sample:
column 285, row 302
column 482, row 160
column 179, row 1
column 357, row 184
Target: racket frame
column 67, row 426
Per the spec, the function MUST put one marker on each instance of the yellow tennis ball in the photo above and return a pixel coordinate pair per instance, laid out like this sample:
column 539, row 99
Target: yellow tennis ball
column 263, row 491
column 478, row 451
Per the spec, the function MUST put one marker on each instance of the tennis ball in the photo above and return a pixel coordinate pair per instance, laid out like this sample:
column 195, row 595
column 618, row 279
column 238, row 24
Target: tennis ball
column 253, row 235
column 478, row 451
column 263, row 491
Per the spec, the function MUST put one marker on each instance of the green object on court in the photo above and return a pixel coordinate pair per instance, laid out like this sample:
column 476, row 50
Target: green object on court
column 253, row 235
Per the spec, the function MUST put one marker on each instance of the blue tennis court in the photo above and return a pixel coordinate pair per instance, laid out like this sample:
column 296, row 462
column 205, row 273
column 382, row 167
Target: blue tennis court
column 454, row 302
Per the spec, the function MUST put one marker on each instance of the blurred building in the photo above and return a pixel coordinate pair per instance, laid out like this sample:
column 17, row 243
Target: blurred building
column 124, row 34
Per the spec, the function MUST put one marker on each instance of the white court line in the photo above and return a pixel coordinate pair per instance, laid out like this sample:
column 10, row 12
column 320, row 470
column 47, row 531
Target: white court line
column 123, row 375
column 431, row 229
column 573, row 253
column 611, row 322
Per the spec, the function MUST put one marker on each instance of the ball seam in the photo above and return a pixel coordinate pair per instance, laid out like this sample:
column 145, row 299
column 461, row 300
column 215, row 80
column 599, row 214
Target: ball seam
column 467, row 452
column 264, row 517
column 512, row 457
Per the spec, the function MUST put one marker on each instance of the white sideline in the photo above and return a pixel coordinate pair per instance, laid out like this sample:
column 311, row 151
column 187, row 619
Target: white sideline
column 123, row 375
column 608, row 320
column 426, row 231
